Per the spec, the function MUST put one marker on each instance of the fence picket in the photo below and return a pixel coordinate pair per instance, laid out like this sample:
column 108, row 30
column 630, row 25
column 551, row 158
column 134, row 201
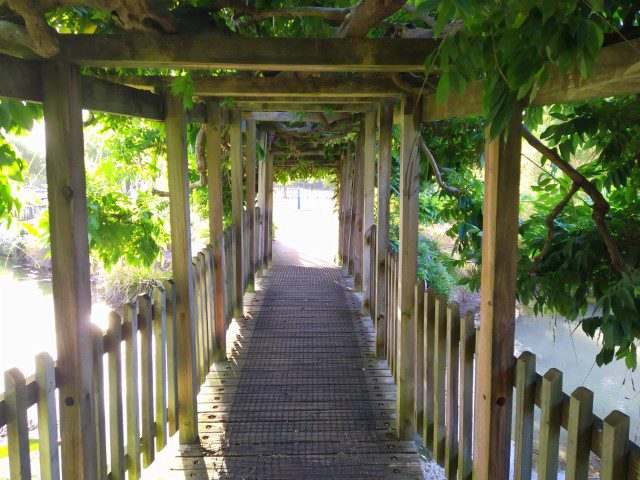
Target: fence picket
column 579, row 434
column 172, row 358
column 160, row 364
column 116, row 427
column 465, row 427
column 145, row 317
column 132, row 396
column 451, row 415
column 439, row 411
column 98, row 402
column 419, row 355
column 15, row 396
column 429, row 355
column 525, row 404
column 615, row 446
column 550, row 419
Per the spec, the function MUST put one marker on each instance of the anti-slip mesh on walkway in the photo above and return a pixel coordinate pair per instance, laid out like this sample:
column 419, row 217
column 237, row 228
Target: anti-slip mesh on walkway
column 302, row 396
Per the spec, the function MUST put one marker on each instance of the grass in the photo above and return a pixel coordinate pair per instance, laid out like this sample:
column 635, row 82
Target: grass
column 33, row 446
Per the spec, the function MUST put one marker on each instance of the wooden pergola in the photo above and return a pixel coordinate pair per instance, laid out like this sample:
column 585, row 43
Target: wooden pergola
column 375, row 102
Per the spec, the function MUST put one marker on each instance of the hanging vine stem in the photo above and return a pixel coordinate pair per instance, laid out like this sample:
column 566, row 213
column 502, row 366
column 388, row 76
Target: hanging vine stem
column 201, row 164
column 551, row 225
column 600, row 206
column 436, row 170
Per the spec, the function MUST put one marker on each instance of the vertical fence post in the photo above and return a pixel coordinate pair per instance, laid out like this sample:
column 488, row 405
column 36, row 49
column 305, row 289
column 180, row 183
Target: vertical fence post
column 385, row 120
column 99, row 408
column 407, row 258
column 494, row 371
column 70, row 266
column 214, row 169
column 181, row 259
column 368, row 185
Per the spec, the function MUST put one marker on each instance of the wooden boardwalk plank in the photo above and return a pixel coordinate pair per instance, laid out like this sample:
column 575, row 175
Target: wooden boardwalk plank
column 303, row 395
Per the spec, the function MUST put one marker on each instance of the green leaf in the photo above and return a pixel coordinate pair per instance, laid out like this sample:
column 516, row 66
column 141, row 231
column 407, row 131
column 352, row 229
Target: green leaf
column 443, row 90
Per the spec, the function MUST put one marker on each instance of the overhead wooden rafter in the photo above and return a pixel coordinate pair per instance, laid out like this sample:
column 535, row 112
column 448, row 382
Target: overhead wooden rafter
column 260, row 106
column 275, row 87
column 617, row 73
column 246, row 53
column 294, row 117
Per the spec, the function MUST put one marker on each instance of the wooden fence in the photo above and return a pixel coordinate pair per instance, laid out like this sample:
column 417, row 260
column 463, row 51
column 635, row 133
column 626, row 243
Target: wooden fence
column 136, row 356
column 445, row 355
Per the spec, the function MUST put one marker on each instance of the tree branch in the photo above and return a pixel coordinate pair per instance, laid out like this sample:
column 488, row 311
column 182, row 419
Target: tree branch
column 365, row 15
column 600, row 206
column 436, row 170
column 422, row 16
column 551, row 225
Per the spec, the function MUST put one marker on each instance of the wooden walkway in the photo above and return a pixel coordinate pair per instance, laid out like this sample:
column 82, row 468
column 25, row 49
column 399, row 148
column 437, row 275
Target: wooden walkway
column 302, row 397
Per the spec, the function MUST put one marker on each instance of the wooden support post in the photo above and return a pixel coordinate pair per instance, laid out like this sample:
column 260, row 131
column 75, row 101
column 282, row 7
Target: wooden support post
column 408, row 261
column 494, row 369
column 349, row 214
column 341, row 207
column 251, row 199
column 181, row 259
column 358, row 207
column 262, row 204
column 70, row 266
column 214, row 172
column 269, row 236
column 385, row 120
column 235, row 138
column 368, row 180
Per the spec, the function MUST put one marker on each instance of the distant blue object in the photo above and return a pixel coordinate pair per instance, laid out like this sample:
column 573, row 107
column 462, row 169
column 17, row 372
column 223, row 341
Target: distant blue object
column 298, row 199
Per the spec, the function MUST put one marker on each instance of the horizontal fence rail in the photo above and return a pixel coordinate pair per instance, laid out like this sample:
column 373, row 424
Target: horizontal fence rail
column 137, row 355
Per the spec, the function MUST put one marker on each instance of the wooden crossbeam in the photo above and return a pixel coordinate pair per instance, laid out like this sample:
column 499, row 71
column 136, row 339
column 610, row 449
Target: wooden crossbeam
column 311, row 117
column 617, row 73
column 301, row 100
column 141, row 50
column 316, row 87
column 23, row 81
column 259, row 106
